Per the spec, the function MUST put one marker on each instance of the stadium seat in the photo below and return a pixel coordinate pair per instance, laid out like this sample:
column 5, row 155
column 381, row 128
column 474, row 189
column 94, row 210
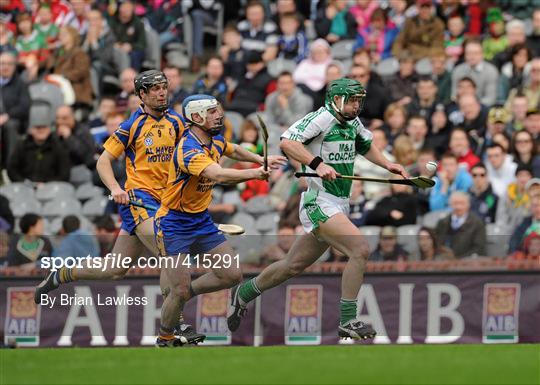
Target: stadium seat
column 274, row 137
column 254, row 119
column 243, row 219
column 343, row 49
column 47, row 92
column 387, row 67
column 94, row 81
column 177, row 57
column 216, row 29
column 423, row 66
column 347, row 65
column 61, row 206
column 26, row 206
column 248, row 247
column 407, row 237
column 432, row 218
column 236, row 120
column 47, row 228
column 95, row 207
column 497, row 239
column 267, row 223
column 372, row 235
column 121, row 60
column 152, row 53
column 178, row 53
column 17, row 190
column 53, row 190
column 259, row 205
column 277, row 66
column 79, row 175
column 88, row 191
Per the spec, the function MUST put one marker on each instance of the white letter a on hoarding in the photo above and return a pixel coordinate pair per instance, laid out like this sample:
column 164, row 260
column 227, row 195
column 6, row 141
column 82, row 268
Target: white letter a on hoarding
column 373, row 316
column 91, row 320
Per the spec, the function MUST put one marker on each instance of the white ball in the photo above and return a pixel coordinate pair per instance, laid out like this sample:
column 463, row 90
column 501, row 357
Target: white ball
column 431, row 166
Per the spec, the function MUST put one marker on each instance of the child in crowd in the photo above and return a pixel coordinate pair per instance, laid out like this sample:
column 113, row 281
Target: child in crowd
column 292, row 43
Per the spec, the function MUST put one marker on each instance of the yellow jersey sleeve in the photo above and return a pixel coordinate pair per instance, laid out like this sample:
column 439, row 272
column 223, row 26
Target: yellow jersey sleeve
column 229, row 149
column 121, row 139
column 114, row 145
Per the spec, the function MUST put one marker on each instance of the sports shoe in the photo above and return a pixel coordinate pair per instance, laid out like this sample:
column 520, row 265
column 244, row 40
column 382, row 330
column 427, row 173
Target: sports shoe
column 171, row 343
column 46, row 286
column 356, row 329
column 236, row 310
column 189, row 333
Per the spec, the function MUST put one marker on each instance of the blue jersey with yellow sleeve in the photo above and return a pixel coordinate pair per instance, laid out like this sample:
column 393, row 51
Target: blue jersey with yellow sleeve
column 187, row 190
column 149, row 144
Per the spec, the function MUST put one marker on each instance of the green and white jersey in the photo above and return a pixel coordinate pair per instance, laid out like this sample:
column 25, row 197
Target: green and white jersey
column 335, row 142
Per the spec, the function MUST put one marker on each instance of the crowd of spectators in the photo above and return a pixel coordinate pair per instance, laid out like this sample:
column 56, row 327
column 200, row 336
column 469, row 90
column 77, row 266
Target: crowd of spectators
column 452, row 81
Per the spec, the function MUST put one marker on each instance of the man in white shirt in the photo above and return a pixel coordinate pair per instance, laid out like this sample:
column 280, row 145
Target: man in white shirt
column 501, row 169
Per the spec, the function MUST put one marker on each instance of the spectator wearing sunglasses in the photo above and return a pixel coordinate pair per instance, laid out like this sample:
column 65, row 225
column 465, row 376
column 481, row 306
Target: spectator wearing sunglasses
column 484, row 201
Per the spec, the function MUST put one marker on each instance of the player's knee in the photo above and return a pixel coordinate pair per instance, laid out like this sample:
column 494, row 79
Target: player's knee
column 180, row 292
column 233, row 278
column 360, row 253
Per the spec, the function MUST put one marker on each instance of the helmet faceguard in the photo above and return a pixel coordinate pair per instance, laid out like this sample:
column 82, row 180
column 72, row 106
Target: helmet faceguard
column 146, row 80
column 345, row 89
column 200, row 104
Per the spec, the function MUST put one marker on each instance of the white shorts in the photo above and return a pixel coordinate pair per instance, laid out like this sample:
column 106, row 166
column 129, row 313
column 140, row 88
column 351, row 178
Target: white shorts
column 318, row 206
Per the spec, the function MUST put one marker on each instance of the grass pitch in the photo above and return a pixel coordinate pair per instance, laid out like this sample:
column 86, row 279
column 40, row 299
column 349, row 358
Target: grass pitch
column 395, row 364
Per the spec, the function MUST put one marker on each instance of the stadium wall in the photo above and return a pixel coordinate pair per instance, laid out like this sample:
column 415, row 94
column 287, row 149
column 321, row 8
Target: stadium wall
column 404, row 308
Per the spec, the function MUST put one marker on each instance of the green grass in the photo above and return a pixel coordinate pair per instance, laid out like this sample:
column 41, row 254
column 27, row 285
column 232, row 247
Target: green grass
column 396, row 364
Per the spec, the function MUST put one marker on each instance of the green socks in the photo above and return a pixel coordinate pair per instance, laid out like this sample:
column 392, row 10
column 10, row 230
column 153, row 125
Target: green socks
column 347, row 310
column 248, row 291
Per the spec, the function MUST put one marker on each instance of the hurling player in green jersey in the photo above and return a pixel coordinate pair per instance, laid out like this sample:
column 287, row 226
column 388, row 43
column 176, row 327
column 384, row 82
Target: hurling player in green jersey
column 326, row 142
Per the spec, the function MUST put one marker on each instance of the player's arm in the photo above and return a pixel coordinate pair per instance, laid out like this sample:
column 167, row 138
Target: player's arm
column 240, row 153
column 222, row 175
column 374, row 155
column 292, row 144
column 106, row 173
column 296, row 150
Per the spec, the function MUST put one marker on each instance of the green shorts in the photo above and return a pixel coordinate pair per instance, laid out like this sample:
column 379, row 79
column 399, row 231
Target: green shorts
column 318, row 206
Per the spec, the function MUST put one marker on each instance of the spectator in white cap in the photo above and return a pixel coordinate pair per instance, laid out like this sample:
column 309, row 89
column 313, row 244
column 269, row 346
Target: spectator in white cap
column 533, row 187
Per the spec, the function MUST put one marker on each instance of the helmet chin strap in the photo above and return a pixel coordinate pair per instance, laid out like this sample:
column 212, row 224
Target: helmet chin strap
column 339, row 111
column 216, row 130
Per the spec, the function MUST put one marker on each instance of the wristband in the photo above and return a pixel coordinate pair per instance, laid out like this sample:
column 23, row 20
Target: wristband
column 315, row 163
